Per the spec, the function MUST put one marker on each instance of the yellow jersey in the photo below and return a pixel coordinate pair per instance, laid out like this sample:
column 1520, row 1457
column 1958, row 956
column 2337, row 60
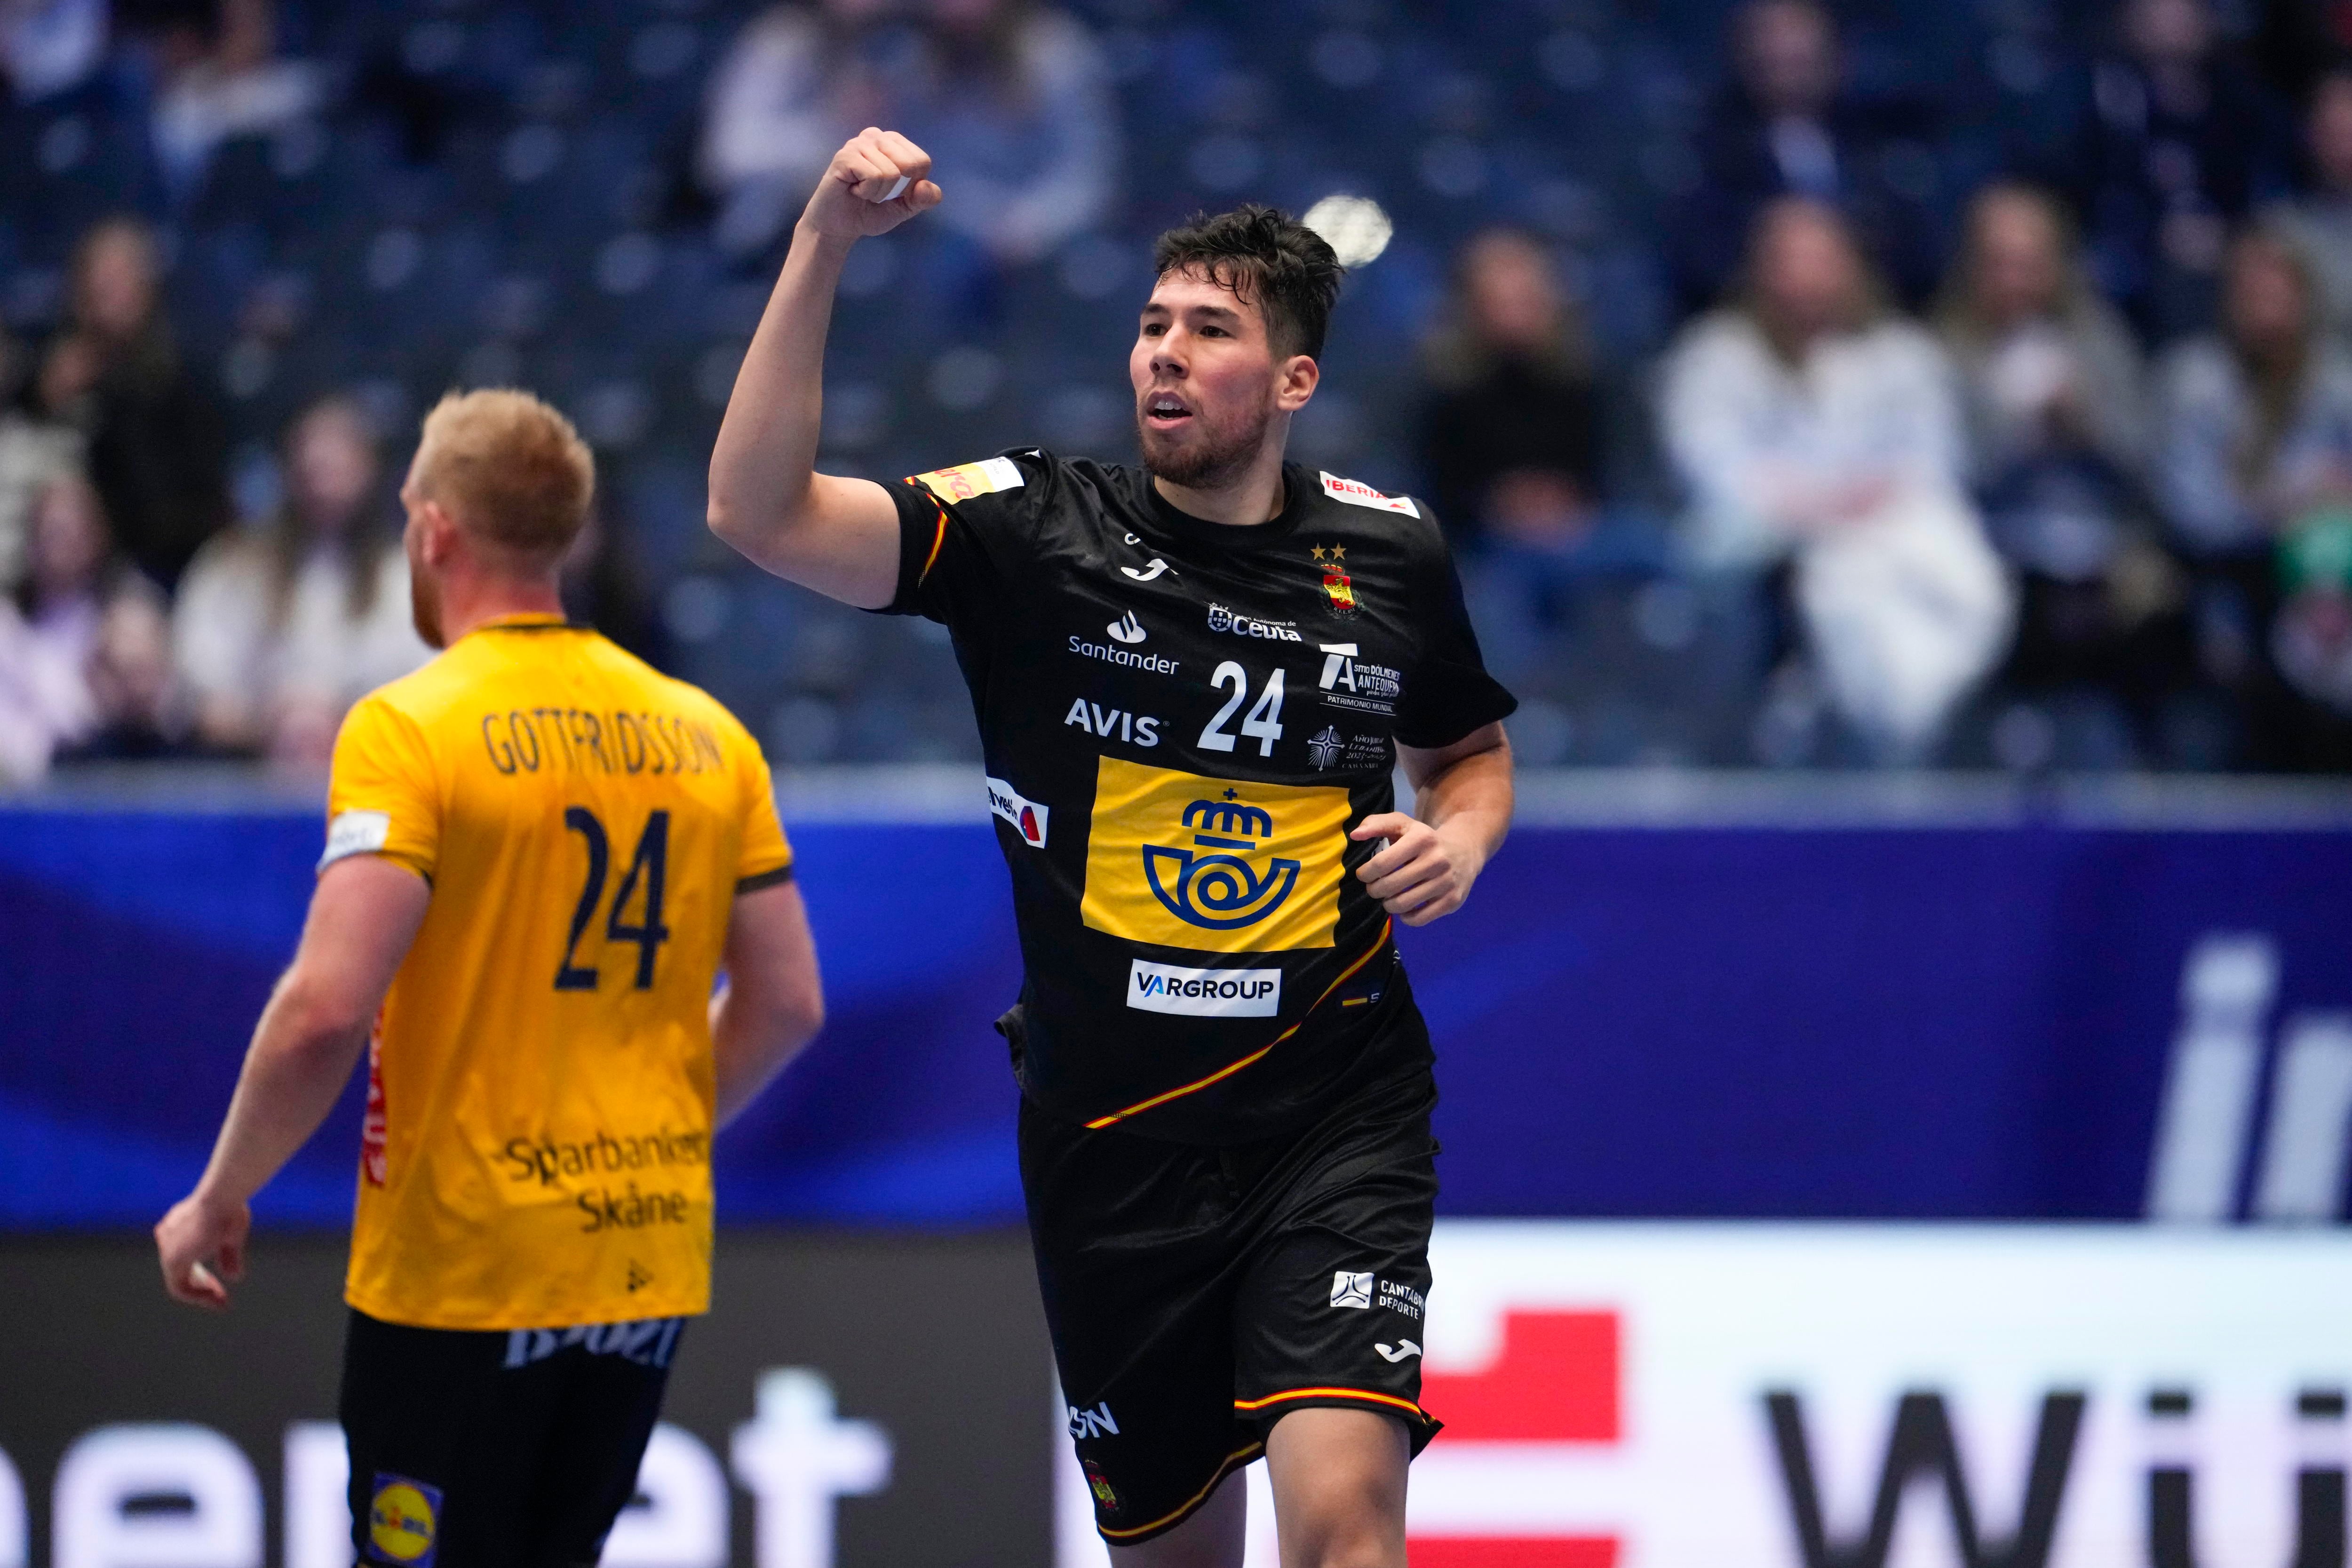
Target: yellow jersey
column 537, row 1151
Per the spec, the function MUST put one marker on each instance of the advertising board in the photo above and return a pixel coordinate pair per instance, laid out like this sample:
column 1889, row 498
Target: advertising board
column 1829, row 1022
column 1793, row 1397
column 845, row 1396
column 1615, row 1396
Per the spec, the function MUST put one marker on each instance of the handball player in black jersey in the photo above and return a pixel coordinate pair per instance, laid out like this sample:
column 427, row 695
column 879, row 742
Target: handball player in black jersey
column 1194, row 680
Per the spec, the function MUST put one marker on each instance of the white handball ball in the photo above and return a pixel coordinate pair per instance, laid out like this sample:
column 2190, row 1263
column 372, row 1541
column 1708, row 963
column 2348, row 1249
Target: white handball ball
column 1355, row 228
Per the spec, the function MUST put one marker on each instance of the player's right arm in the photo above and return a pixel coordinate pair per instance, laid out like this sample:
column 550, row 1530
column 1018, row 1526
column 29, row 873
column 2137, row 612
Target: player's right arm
column 774, row 1001
column 363, row 915
column 838, row 536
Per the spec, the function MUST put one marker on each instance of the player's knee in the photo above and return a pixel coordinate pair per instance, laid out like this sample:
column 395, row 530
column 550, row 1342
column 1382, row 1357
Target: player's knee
column 1345, row 1542
column 1344, row 1518
column 1340, row 1488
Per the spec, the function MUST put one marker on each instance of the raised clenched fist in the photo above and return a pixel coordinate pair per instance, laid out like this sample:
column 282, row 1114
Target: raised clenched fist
column 877, row 181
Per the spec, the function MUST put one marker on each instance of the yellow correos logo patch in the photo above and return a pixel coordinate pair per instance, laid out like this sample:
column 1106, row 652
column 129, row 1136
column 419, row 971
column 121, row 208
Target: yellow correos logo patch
column 1177, row 859
column 403, row 1521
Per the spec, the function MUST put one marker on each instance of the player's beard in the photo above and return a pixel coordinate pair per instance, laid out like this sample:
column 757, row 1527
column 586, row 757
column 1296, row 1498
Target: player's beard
column 424, row 606
column 1213, row 458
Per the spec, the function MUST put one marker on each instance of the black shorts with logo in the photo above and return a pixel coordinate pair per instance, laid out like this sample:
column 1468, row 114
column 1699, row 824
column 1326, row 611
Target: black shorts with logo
column 506, row 1450
column 1198, row 1295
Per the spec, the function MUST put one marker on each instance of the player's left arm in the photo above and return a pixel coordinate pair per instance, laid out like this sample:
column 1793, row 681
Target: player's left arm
column 773, row 1003
column 363, row 915
column 1462, row 801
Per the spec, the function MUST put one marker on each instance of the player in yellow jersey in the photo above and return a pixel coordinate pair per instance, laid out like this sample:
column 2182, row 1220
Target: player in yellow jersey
column 539, row 852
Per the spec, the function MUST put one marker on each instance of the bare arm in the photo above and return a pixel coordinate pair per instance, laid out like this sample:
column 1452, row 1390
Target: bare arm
column 1462, row 796
column 362, row 917
column 838, row 536
column 774, row 1000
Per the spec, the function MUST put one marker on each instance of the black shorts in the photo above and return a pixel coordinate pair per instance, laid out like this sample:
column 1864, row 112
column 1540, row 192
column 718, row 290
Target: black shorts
column 1198, row 1295
column 508, row 1449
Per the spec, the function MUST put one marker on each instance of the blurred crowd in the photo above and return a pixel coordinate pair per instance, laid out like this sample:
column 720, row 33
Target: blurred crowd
column 1892, row 445
column 2098, row 456
column 139, row 620
column 162, row 599
column 138, row 623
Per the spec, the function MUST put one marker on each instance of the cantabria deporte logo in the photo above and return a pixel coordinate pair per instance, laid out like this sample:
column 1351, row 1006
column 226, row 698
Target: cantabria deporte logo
column 1211, row 884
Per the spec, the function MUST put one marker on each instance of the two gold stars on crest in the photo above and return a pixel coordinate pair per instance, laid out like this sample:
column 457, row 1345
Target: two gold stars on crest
column 1338, row 553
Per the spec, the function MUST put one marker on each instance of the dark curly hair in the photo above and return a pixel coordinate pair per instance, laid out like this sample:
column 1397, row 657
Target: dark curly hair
column 1266, row 258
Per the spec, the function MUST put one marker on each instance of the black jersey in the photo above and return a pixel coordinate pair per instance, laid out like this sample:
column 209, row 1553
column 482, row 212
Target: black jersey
column 1181, row 721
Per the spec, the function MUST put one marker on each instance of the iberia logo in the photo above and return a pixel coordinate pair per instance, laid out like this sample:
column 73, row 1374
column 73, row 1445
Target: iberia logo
column 1179, row 859
column 403, row 1521
column 1336, row 585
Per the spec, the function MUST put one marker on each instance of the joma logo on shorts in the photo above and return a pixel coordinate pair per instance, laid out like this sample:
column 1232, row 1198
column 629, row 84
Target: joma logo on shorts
column 1218, row 889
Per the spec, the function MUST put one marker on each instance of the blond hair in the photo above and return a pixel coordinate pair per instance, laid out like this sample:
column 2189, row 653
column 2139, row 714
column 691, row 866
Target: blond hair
column 512, row 470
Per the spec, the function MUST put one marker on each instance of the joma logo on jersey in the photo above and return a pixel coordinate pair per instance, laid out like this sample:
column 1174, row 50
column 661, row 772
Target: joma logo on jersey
column 1216, row 864
column 1212, row 884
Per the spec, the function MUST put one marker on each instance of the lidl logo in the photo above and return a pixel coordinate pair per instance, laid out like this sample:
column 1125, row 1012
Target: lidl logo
column 1177, row 859
column 403, row 1521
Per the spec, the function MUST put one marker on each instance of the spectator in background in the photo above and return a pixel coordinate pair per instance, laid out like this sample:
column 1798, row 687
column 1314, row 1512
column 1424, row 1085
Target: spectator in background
column 37, row 445
column 797, row 82
column 1509, row 434
column 82, row 652
column 1510, row 441
column 2255, row 452
column 2051, row 383
column 42, row 701
column 221, row 81
column 278, row 632
column 1015, row 99
column 2180, row 143
column 2319, row 221
column 2256, row 421
column 603, row 587
column 2311, row 640
column 1816, row 428
column 1788, row 125
column 157, row 445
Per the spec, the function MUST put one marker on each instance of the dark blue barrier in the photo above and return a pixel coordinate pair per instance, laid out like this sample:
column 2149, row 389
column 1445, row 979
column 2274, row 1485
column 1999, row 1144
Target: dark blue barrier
column 1882, row 1022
